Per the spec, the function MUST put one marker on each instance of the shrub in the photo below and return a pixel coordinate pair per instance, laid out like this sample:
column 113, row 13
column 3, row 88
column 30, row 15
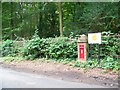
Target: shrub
column 61, row 47
column 56, row 48
column 8, row 48
column 110, row 44
column 110, row 63
column 32, row 47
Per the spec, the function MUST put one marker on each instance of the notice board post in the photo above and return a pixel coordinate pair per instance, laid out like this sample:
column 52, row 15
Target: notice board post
column 95, row 38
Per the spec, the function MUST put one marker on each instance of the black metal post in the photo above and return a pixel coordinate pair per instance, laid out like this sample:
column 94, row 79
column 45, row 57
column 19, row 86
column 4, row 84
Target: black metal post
column 90, row 51
column 98, row 53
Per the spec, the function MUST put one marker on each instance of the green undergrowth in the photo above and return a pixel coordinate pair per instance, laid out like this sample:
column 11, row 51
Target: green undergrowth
column 9, row 59
column 90, row 64
column 59, row 47
column 63, row 50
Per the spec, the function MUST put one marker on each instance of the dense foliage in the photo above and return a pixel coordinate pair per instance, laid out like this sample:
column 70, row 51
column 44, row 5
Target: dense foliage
column 8, row 48
column 23, row 18
column 59, row 47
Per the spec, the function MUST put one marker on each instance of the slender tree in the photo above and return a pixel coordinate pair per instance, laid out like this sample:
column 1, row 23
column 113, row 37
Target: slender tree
column 60, row 18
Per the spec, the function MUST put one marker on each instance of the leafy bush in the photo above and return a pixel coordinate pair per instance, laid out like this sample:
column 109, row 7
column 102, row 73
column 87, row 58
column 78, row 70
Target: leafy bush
column 59, row 47
column 32, row 48
column 110, row 63
column 8, row 48
column 110, row 44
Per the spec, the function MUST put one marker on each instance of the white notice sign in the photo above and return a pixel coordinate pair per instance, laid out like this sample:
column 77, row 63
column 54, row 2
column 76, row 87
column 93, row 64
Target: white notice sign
column 94, row 38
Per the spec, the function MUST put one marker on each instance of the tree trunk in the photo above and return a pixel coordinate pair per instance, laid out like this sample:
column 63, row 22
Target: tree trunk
column 21, row 18
column 60, row 18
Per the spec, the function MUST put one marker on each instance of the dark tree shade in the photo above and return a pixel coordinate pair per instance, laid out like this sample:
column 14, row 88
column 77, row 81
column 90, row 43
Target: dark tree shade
column 21, row 19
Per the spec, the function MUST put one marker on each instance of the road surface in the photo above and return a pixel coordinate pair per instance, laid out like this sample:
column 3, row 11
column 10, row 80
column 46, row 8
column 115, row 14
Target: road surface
column 14, row 79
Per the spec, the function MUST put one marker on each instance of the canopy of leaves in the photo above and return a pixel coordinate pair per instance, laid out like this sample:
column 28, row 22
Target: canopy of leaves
column 21, row 19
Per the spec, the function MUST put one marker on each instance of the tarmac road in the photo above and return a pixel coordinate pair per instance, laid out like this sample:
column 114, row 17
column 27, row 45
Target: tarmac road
column 14, row 79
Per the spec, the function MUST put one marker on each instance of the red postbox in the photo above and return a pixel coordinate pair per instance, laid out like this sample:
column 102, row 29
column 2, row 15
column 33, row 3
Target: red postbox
column 82, row 48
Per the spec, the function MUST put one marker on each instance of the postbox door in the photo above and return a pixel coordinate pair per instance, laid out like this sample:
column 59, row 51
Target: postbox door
column 81, row 51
